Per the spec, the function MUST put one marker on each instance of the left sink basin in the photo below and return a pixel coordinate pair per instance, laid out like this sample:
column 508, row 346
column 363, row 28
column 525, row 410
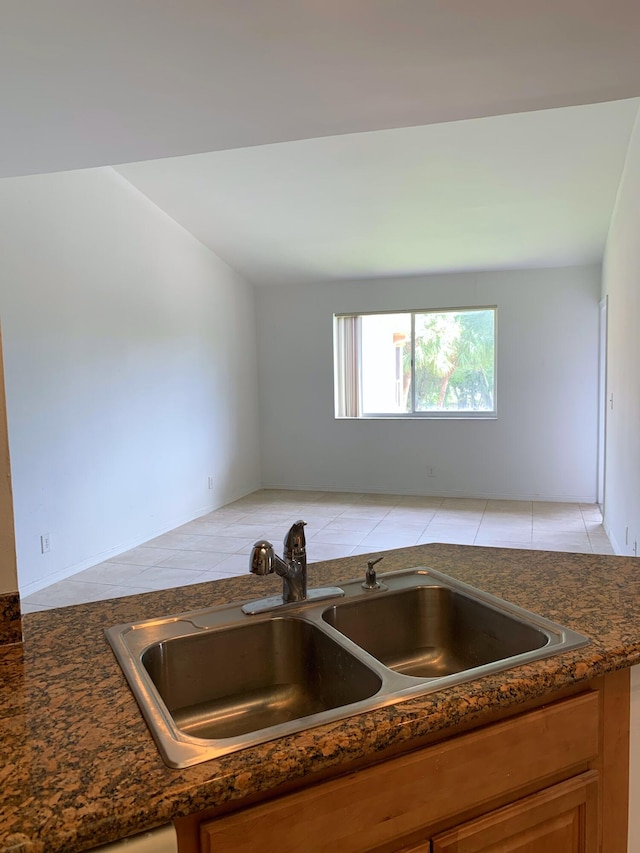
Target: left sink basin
column 224, row 683
column 211, row 682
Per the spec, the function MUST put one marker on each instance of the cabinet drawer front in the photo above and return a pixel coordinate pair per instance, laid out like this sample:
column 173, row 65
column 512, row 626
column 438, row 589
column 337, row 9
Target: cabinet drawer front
column 374, row 806
column 560, row 819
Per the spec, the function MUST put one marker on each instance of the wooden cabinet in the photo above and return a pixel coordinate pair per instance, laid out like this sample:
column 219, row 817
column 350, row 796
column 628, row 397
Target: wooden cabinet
column 560, row 819
column 549, row 779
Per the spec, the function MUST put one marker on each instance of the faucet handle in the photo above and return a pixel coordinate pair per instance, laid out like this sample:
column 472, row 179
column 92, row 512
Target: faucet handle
column 295, row 542
column 262, row 558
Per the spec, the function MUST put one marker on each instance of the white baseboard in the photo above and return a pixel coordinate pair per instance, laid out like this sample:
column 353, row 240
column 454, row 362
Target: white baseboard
column 438, row 493
column 614, row 543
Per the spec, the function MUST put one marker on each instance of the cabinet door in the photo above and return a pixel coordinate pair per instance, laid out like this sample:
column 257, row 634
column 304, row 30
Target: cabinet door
column 561, row 819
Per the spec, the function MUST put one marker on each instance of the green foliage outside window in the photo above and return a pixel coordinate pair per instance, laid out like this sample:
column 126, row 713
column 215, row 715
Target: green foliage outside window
column 454, row 362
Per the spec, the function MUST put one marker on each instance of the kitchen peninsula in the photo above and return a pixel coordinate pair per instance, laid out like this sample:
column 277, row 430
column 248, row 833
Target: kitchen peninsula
column 79, row 768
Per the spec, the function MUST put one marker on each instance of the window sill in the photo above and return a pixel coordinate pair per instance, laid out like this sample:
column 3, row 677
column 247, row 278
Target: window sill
column 427, row 416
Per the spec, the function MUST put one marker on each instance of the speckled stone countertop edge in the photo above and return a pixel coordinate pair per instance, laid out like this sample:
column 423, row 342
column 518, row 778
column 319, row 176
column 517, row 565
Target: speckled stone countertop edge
column 10, row 618
column 589, row 593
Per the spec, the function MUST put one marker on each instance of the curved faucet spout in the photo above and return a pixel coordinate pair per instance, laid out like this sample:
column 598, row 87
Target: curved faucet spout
column 295, row 544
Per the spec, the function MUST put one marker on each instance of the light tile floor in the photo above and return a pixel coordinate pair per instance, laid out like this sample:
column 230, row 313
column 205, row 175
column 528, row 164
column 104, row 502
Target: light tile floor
column 338, row 525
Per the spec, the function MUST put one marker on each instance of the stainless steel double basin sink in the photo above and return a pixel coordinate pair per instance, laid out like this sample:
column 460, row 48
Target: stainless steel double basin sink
column 213, row 681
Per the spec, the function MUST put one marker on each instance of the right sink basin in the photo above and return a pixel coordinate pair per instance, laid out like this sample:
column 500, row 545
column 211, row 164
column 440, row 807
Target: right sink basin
column 433, row 631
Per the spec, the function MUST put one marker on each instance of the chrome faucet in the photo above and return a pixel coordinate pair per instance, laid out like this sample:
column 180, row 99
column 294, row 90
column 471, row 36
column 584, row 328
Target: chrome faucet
column 292, row 569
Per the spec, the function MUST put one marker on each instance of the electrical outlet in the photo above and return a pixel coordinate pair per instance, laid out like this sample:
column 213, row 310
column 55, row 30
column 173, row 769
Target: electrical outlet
column 45, row 543
column 626, row 535
column 635, row 547
column 431, row 471
column 210, row 483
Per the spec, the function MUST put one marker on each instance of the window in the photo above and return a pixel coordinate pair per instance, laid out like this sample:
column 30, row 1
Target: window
column 415, row 364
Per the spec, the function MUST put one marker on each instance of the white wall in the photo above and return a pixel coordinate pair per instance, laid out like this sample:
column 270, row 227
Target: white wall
column 130, row 370
column 621, row 282
column 543, row 444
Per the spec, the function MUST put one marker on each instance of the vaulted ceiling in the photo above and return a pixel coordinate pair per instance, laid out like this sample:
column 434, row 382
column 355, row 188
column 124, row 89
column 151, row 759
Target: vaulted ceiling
column 526, row 190
column 360, row 129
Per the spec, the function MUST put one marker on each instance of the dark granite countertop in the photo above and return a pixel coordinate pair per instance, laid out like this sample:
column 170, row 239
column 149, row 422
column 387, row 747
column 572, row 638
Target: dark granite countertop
column 78, row 766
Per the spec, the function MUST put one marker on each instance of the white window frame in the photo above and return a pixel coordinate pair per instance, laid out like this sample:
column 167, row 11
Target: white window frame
column 348, row 369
